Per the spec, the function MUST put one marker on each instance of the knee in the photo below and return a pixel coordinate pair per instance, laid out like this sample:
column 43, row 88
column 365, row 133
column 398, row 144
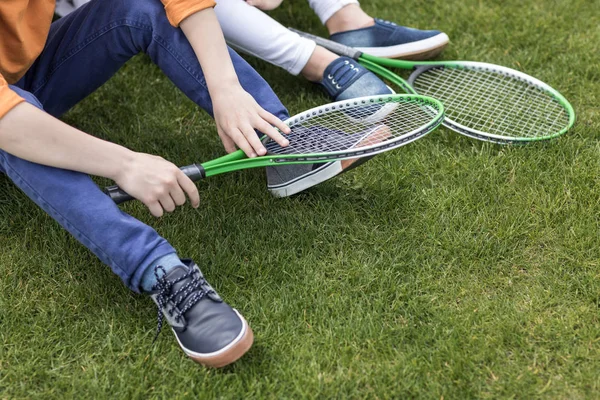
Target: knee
column 144, row 10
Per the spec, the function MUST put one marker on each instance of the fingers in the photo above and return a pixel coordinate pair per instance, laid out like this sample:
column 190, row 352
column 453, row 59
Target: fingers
column 190, row 189
column 252, row 138
column 178, row 195
column 155, row 208
column 167, row 203
column 171, row 193
column 228, row 143
column 240, row 140
column 271, row 132
column 273, row 120
column 233, row 136
column 170, row 199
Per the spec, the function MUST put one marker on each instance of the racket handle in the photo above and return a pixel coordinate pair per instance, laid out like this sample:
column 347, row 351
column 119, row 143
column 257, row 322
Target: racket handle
column 337, row 48
column 195, row 172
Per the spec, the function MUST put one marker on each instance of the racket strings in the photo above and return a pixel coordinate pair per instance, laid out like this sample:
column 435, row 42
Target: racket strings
column 358, row 127
column 478, row 113
column 495, row 103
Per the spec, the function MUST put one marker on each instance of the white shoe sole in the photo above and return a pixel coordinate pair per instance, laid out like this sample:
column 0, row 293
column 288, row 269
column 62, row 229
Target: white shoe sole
column 227, row 355
column 312, row 178
column 419, row 50
column 378, row 115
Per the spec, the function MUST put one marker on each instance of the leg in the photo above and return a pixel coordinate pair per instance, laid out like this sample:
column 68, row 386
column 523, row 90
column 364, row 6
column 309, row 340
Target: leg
column 327, row 9
column 75, row 201
column 350, row 25
column 85, row 48
column 253, row 32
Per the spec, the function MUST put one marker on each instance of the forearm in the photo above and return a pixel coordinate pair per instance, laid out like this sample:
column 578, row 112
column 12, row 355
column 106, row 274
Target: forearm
column 204, row 34
column 36, row 136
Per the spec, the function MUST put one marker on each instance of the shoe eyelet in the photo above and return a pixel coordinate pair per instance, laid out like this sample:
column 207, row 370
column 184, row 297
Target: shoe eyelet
column 334, row 82
column 329, row 76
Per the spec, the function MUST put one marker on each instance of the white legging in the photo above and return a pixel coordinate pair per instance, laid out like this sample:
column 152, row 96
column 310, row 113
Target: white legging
column 251, row 31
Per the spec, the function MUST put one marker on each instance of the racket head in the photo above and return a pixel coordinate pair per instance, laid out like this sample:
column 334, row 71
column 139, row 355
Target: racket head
column 356, row 128
column 494, row 103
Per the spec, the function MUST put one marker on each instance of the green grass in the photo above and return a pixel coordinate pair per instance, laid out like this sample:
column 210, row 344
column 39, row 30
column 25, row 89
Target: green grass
column 449, row 268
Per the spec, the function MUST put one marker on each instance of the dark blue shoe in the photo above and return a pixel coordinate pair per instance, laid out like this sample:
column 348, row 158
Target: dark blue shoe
column 386, row 39
column 287, row 180
column 345, row 79
column 207, row 329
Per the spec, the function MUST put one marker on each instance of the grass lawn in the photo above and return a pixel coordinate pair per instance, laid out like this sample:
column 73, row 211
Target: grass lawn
column 449, row 268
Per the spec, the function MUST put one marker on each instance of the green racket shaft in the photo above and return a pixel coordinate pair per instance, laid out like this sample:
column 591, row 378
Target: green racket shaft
column 483, row 101
column 343, row 130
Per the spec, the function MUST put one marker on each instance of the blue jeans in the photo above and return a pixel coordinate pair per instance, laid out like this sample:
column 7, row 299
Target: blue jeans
column 83, row 51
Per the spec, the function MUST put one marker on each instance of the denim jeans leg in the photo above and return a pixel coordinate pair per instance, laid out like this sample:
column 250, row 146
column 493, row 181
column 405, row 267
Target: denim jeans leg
column 82, row 52
column 85, row 48
column 75, row 201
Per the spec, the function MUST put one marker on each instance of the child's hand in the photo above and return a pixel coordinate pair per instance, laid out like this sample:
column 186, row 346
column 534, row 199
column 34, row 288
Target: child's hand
column 237, row 115
column 157, row 183
column 265, row 5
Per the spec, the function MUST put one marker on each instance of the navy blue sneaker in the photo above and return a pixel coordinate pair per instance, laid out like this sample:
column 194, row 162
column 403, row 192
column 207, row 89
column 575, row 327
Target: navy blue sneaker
column 343, row 79
column 346, row 79
column 286, row 180
column 386, row 39
column 207, row 329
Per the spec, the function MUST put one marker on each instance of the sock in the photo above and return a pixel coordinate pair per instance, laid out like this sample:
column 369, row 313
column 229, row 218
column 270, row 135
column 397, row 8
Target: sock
column 168, row 262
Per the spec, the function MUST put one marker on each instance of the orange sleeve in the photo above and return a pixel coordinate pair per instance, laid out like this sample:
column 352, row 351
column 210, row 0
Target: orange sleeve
column 8, row 98
column 178, row 10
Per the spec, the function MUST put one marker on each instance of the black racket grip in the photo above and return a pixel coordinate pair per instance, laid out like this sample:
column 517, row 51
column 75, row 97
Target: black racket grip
column 195, row 172
column 337, row 48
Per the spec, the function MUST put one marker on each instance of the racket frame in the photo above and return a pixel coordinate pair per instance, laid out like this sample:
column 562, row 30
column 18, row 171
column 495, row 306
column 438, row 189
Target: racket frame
column 238, row 159
column 376, row 64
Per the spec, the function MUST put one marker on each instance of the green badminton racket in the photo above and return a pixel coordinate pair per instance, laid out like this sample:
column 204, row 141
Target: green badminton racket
column 483, row 101
column 343, row 130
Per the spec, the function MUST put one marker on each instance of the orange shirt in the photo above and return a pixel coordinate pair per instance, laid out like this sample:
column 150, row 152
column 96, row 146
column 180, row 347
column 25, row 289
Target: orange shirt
column 24, row 27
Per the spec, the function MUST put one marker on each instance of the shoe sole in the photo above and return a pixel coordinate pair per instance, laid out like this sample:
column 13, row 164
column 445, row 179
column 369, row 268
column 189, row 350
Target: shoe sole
column 376, row 135
column 227, row 355
column 378, row 115
column 329, row 170
column 420, row 50
column 312, row 178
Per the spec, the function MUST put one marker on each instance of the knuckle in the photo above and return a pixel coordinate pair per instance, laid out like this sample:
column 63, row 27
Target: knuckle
column 148, row 199
column 171, row 181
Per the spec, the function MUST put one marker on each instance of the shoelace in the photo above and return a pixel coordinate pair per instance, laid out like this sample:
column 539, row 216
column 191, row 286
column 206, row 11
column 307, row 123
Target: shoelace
column 183, row 298
column 342, row 74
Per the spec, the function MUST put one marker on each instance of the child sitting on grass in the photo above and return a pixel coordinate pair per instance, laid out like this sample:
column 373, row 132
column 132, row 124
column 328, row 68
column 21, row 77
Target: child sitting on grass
column 46, row 68
column 253, row 32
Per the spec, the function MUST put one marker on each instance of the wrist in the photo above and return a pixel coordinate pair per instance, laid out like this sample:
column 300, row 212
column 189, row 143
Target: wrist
column 124, row 158
column 222, row 85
